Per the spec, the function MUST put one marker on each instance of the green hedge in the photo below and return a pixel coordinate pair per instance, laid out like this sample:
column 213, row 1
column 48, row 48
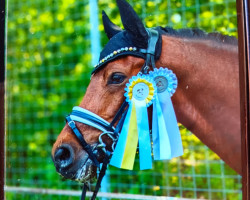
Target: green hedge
column 48, row 70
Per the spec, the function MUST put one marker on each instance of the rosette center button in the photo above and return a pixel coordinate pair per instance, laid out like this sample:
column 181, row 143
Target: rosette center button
column 140, row 91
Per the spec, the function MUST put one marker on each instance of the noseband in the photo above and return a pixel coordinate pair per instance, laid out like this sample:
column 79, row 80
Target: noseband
column 86, row 117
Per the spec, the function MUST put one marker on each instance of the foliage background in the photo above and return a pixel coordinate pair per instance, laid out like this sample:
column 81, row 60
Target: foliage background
column 48, row 70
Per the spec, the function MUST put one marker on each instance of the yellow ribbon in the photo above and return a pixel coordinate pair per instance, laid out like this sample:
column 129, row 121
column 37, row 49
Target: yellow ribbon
column 131, row 143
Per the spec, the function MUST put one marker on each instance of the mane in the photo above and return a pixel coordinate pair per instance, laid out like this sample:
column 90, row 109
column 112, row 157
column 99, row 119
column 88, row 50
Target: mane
column 199, row 34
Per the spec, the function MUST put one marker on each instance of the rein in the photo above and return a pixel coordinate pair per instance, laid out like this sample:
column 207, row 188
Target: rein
column 86, row 117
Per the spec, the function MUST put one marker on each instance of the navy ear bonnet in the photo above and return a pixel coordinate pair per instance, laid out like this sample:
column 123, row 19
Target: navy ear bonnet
column 123, row 44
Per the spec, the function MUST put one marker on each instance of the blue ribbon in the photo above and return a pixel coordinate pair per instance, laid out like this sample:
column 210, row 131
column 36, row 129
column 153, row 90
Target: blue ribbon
column 161, row 143
column 171, row 124
column 143, row 135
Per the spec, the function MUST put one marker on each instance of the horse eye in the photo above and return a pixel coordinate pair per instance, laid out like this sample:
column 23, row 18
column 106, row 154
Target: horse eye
column 116, row 78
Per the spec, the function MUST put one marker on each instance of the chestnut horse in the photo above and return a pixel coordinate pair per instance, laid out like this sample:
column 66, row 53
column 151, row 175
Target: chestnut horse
column 206, row 101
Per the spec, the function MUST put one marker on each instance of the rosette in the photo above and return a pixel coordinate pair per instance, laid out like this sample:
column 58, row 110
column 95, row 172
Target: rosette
column 140, row 93
column 165, row 132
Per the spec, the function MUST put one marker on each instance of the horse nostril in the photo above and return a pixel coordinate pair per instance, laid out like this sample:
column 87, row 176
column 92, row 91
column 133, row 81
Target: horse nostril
column 64, row 156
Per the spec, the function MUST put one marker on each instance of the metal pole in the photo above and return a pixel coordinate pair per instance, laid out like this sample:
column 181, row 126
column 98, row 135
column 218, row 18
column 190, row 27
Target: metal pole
column 2, row 92
column 244, row 70
column 95, row 51
column 94, row 32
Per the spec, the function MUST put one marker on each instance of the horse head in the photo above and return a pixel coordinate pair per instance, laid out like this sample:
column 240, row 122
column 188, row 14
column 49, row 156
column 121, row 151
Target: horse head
column 206, row 99
column 119, row 61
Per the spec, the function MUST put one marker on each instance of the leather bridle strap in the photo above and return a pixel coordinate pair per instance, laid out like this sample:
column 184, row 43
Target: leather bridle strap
column 105, row 163
column 86, row 117
column 150, row 51
column 82, row 141
column 119, row 113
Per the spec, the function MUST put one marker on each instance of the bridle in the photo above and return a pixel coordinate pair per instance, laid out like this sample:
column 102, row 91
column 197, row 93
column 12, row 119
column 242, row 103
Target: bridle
column 84, row 116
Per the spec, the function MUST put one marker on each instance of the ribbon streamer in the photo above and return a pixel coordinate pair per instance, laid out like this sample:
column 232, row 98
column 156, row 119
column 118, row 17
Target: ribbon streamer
column 171, row 124
column 124, row 154
column 143, row 134
column 161, row 143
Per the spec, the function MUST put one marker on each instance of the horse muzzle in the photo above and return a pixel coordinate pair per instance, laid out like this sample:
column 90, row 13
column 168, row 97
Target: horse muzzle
column 74, row 165
column 80, row 165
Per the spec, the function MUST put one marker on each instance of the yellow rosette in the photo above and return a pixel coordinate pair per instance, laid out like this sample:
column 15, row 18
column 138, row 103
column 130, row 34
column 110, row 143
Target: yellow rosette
column 140, row 92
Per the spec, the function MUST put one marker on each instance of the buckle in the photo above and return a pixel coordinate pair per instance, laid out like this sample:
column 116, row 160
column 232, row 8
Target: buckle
column 72, row 124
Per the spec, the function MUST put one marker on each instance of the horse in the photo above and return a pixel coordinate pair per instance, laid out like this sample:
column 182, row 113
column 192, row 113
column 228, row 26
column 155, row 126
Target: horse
column 206, row 101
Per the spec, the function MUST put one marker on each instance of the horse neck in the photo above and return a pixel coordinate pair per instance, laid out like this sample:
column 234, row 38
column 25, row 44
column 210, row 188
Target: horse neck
column 207, row 98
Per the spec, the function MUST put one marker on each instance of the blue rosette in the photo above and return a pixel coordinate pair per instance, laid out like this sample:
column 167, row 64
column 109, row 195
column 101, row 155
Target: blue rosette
column 165, row 132
column 169, row 76
column 140, row 93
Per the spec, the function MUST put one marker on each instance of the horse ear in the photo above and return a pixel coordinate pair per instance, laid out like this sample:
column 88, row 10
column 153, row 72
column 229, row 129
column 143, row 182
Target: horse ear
column 133, row 24
column 110, row 28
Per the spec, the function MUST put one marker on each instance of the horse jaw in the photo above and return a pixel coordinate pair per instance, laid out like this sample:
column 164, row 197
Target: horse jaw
column 86, row 173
